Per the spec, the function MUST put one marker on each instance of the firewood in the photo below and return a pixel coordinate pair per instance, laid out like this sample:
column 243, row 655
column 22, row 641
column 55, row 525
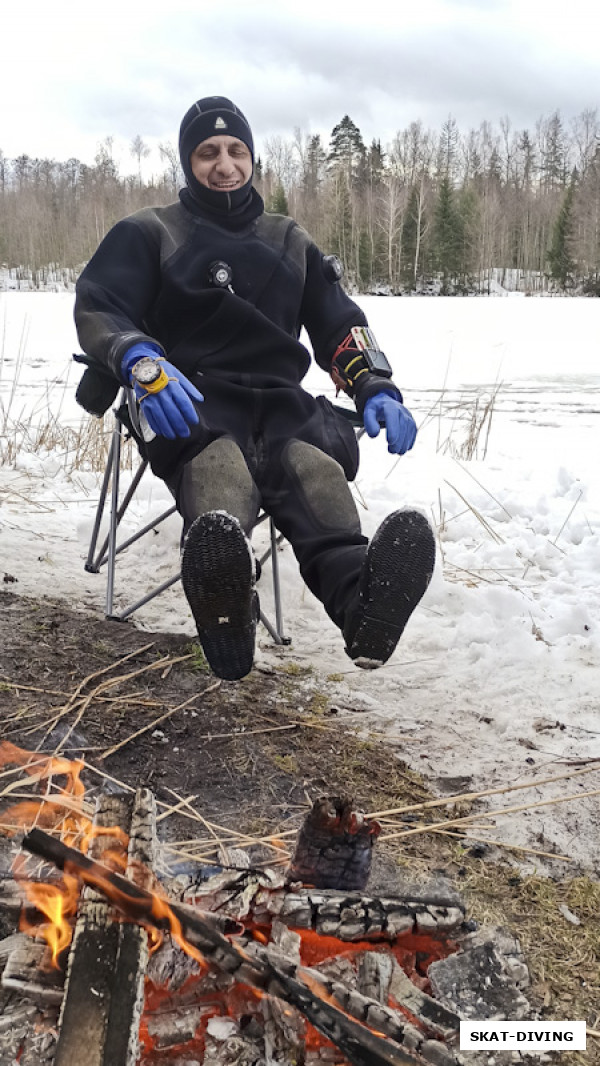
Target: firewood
column 437, row 1018
column 104, row 990
column 297, row 986
column 334, row 846
column 29, row 970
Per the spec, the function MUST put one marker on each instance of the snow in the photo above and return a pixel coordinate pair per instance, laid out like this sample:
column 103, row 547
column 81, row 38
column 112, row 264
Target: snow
column 496, row 681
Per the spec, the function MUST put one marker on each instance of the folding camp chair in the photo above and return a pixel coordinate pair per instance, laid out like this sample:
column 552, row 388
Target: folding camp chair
column 126, row 420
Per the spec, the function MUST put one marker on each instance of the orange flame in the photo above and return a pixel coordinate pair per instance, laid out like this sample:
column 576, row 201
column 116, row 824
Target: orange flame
column 59, row 904
column 63, row 807
column 60, row 809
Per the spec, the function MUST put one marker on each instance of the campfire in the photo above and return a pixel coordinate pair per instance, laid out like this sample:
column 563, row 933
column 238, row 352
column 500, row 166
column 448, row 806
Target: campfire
column 251, row 965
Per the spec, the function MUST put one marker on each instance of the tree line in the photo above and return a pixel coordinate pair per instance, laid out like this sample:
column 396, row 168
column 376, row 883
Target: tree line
column 438, row 210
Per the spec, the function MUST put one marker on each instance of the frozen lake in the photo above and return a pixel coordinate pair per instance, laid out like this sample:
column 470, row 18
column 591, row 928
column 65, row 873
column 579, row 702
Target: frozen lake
column 537, row 357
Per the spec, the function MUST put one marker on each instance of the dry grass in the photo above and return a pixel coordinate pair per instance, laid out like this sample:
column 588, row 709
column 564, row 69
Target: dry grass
column 470, row 422
column 82, row 447
column 563, row 958
column 41, row 428
column 476, row 418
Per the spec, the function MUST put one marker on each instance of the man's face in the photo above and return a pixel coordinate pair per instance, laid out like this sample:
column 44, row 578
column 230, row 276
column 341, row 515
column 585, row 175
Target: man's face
column 221, row 163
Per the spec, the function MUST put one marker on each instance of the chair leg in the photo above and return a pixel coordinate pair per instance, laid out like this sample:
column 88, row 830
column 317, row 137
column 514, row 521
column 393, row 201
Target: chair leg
column 277, row 634
column 122, row 615
column 91, row 565
column 137, row 477
column 114, row 509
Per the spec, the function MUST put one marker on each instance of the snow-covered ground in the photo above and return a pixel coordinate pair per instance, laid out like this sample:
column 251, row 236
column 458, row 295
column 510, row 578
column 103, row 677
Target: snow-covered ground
column 497, row 678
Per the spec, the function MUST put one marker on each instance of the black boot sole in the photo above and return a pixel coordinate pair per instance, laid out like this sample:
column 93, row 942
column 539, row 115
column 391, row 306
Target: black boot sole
column 217, row 578
column 397, row 570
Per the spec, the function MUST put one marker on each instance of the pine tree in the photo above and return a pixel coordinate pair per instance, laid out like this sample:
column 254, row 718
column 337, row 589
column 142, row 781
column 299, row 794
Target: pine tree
column 467, row 231
column 314, row 169
column 526, row 155
column 554, row 166
column 278, row 202
column 494, row 171
column 447, row 237
column 560, row 259
column 346, row 149
column 375, row 163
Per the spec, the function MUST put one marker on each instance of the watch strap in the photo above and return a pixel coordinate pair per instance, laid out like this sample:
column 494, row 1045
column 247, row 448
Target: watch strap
column 156, row 386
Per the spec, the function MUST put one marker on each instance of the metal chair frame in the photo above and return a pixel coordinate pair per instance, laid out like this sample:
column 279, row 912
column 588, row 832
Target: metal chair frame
column 111, row 548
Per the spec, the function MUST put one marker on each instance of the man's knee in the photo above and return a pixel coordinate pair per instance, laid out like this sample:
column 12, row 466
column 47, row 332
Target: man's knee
column 323, row 486
column 218, row 479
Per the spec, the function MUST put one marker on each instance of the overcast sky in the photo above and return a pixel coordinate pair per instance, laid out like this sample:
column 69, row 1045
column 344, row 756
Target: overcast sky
column 74, row 73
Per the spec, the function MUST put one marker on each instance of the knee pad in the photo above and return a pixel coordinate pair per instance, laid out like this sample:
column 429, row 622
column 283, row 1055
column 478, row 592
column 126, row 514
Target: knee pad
column 218, row 479
column 323, row 486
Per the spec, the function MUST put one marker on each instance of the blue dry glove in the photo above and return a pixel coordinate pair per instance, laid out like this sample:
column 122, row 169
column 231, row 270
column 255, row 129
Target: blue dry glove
column 400, row 426
column 170, row 412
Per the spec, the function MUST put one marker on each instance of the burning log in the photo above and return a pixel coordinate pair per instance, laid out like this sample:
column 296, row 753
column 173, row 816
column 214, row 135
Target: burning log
column 349, row 916
column 353, row 916
column 334, row 846
column 266, row 970
column 104, row 990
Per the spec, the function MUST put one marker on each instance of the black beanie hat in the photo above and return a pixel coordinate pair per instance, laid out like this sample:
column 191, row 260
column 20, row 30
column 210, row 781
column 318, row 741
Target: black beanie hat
column 209, row 117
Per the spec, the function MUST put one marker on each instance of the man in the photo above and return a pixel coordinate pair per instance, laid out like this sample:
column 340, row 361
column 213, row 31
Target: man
column 199, row 307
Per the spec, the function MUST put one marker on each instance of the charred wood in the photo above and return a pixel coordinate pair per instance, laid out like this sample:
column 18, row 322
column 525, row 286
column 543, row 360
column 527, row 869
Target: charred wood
column 8, row 945
column 353, row 916
column 284, row 1027
column 334, row 846
column 437, row 1019
column 24, row 1013
column 38, row 1047
column 172, row 1028
column 375, row 970
column 29, row 970
column 99, row 1023
column 346, row 915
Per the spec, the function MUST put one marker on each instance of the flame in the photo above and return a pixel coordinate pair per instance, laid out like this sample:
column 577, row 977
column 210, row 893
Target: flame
column 161, row 909
column 60, row 809
column 59, row 904
column 63, row 807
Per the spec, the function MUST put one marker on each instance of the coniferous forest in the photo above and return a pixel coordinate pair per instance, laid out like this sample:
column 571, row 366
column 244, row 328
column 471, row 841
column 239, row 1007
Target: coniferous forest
column 433, row 211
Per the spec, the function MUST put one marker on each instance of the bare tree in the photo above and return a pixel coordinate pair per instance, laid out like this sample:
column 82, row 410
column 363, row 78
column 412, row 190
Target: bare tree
column 139, row 150
column 170, row 155
column 586, row 134
column 281, row 160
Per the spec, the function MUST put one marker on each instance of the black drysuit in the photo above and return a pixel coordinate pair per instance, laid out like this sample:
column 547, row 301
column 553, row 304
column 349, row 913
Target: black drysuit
column 261, row 440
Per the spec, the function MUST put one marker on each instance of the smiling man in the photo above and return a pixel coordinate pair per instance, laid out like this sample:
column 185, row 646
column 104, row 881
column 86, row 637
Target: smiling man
column 222, row 163
column 198, row 306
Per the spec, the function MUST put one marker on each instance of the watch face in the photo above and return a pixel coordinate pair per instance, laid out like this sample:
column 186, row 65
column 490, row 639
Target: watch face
column 377, row 362
column 146, row 371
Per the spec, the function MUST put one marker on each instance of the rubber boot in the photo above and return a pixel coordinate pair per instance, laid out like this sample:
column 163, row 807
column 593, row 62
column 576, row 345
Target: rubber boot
column 395, row 574
column 217, row 573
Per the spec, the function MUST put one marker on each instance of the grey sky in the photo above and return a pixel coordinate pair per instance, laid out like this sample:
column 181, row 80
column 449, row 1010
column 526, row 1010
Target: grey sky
column 75, row 73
